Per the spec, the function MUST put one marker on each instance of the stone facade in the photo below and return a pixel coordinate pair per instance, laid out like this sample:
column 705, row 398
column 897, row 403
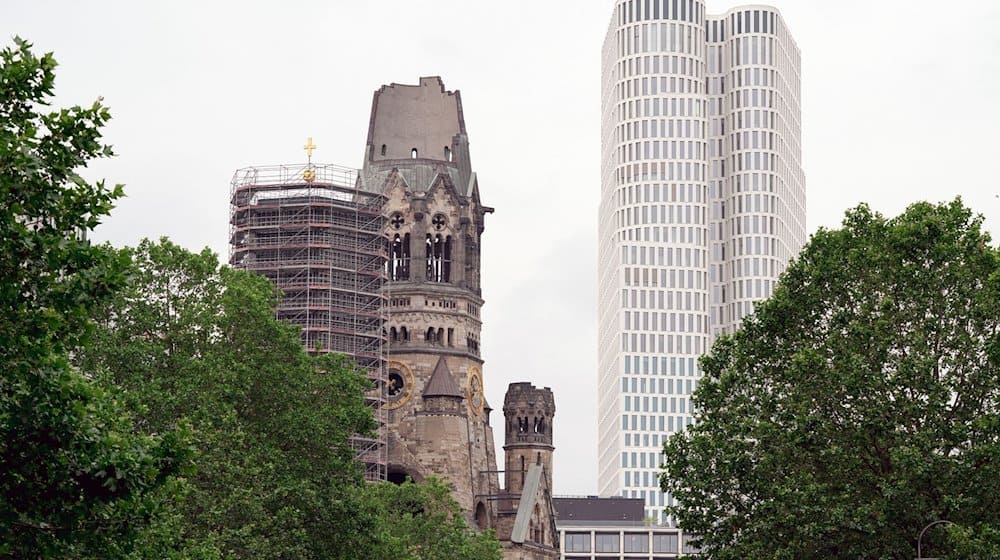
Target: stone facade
column 529, row 413
column 437, row 418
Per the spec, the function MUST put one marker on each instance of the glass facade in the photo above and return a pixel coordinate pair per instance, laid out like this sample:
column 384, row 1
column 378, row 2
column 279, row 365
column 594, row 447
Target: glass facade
column 702, row 206
column 630, row 541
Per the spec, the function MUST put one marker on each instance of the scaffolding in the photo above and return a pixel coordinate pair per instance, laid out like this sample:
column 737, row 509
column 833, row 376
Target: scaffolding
column 318, row 238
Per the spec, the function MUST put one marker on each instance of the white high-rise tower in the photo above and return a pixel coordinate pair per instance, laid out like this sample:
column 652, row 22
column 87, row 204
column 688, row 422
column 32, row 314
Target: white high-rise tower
column 702, row 206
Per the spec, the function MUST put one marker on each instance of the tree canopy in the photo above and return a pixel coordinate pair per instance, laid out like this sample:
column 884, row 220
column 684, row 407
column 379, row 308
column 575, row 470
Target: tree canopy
column 76, row 480
column 151, row 406
column 858, row 404
column 423, row 522
column 192, row 341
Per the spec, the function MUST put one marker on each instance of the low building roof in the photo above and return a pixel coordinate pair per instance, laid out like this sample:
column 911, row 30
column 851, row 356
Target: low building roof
column 593, row 508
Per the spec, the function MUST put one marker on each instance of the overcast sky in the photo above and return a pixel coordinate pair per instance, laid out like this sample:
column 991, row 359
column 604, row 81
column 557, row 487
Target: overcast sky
column 900, row 103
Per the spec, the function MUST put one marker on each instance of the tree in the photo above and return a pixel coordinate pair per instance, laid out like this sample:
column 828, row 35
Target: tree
column 858, row 403
column 981, row 542
column 190, row 340
column 423, row 522
column 76, row 481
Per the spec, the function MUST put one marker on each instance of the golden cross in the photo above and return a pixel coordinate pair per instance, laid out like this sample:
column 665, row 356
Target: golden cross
column 309, row 147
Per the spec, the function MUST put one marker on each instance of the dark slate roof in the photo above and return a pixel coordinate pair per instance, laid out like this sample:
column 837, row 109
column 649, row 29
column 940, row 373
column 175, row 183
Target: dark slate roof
column 442, row 384
column 419, row 177
column 592, row 508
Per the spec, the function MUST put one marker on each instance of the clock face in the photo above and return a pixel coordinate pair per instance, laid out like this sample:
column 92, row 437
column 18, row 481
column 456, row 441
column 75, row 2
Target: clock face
column 398, row 387
column 395, row 384
column 474, row 391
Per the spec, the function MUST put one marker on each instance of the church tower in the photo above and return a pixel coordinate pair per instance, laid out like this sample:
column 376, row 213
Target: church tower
column 417, row 156
column 528, row 413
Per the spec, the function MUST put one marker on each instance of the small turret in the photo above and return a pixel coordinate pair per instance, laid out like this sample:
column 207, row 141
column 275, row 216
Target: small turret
column 528, row 414
column 442, row 394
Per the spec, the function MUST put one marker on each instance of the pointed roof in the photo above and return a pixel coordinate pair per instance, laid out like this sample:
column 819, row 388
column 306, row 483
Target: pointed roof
column 442, row 384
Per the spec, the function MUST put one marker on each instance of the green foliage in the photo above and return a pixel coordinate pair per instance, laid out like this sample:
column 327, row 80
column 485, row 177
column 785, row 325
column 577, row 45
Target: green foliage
column 51, row 277
column 188, row 339
column 423, row 522
column 979, row 542
column 858, row 404
column 76, row 481
column 100, row 465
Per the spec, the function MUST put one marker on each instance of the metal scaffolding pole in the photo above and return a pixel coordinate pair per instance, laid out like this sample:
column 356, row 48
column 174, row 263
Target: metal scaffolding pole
column 310, row 230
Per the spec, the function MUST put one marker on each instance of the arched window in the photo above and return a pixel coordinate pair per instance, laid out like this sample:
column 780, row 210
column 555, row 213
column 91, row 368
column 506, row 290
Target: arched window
column 429, row 337
column 482, row 519
column 393, row 334
column 447, row 153
column 413, row 153
column 399, row 257
column 404, row 334
column 446, row 264
column 539, row 532
column 440, row 337
column 438, row 258
column 383, row 149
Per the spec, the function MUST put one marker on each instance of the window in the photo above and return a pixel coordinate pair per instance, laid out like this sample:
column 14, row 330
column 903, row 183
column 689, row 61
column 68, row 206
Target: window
column 636, row 542
column 606, row 542
column 413, row 153
column 383, row 149
column 438, row 258
column 665, row 542
column 399, row 257
column 577, row 542
column 447, row 153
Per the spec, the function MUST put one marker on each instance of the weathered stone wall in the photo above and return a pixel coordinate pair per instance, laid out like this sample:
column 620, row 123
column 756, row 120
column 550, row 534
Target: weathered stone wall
column 437, row 419
column 528, row 428
column 424, row 116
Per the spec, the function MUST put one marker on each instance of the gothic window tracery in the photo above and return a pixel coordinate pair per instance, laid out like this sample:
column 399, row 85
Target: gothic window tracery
column 522, row 424
column 397, row 220
column 438, row 257
column 399, row 257
column 539, row 425
column 439, row 221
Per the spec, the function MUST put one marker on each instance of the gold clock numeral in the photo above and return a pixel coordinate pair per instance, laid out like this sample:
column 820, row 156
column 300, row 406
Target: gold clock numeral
column 398, row 386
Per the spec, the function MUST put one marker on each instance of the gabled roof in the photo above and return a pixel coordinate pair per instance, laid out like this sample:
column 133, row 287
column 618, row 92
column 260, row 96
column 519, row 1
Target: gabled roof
column 442, row 384
column 419, row 177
